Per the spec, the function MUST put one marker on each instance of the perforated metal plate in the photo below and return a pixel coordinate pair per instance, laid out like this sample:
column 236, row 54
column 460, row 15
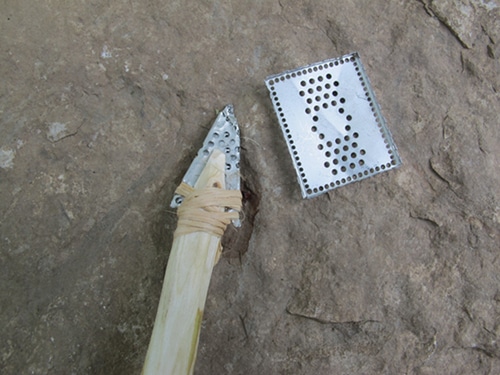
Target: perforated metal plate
column 332, row 124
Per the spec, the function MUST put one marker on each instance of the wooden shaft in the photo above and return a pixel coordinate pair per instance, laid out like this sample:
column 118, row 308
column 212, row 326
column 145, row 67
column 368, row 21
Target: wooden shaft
column 174, row 341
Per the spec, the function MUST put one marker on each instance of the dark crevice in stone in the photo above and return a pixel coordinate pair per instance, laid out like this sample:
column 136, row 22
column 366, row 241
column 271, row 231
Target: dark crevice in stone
column 236, row 240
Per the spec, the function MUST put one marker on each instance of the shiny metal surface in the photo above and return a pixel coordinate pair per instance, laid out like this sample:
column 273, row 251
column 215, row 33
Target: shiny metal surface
column 225, row 136
column 332, row 124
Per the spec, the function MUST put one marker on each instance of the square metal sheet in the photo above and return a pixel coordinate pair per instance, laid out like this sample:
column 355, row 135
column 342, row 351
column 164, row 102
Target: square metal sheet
column 332, row 124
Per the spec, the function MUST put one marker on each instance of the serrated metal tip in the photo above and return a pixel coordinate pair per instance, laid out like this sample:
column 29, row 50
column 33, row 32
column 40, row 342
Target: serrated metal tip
column 224, row 135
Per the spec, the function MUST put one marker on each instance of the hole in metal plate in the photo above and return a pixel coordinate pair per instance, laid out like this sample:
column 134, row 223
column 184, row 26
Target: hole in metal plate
column 329, row 114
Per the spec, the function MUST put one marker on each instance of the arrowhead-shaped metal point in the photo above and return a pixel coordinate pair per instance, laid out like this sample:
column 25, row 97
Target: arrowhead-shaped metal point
column 225, row 136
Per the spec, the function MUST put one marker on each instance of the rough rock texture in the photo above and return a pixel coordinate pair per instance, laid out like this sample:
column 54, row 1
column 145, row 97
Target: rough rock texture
column 104, row 103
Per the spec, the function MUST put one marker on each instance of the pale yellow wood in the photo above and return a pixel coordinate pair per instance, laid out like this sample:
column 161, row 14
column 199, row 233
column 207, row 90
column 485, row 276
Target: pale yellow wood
column 174, row 341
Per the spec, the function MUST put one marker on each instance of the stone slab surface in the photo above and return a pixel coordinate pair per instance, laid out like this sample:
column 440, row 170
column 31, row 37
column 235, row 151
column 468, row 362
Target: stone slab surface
column 104, row 104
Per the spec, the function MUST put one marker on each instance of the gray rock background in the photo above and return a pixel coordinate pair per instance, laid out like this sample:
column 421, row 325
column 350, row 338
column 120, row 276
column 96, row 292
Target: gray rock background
column 104, row 104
